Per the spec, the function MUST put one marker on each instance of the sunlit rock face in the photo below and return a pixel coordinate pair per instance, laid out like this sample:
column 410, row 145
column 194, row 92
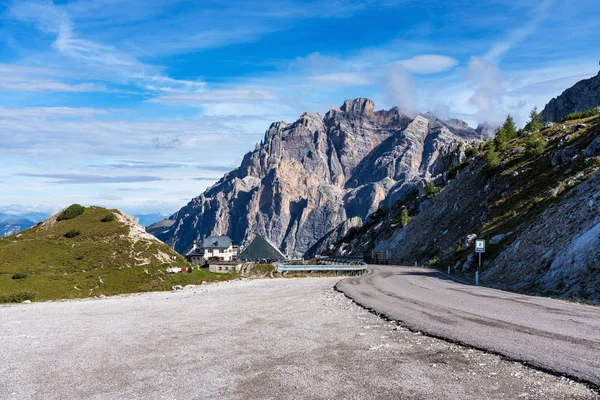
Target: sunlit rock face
column 308, row 177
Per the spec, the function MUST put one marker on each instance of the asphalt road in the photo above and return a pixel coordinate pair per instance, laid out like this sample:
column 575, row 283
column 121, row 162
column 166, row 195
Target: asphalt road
column 256, row 339
column 555, row 335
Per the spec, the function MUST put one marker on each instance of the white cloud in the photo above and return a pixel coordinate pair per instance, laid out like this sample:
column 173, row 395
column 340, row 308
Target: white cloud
column 428, row 64
column 400, row 89
column 487, row 81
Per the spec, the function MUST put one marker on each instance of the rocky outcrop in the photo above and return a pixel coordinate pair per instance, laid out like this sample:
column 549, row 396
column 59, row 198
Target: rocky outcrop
column 328, row 241
column 308, row 177
column 582, row 96
column 559, row 252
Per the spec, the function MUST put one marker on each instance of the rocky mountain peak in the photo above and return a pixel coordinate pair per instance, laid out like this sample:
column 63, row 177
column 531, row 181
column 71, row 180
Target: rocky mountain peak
column 308, row 177
column 358, row 106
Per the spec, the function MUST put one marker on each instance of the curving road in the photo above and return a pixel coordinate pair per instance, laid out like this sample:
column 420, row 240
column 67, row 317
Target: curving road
column 555, row 335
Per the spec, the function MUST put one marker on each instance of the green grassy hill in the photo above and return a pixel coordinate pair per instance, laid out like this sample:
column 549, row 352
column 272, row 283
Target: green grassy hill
column 96, row 252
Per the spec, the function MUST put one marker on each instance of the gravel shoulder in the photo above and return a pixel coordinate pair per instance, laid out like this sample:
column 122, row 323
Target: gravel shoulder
column 255, row 339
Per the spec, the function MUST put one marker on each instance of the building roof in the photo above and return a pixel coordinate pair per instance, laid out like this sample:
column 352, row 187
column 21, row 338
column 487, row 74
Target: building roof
column 261, row 248
column 217, row 242
column 195, row 251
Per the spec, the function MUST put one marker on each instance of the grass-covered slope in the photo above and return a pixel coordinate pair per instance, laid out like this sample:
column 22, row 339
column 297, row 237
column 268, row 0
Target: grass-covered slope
column 85, row 252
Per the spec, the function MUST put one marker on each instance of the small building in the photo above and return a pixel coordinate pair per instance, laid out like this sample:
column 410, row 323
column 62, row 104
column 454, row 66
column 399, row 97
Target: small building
column 220, row 248
column 261, row 250
column 195, row 255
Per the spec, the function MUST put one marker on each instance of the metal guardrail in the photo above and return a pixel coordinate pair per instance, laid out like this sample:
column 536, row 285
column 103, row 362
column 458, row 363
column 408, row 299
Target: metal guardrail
column 322, row 268
column 343, row 260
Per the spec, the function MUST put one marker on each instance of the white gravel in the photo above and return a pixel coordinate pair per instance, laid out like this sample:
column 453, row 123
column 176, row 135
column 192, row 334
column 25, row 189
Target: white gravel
column 259, row 339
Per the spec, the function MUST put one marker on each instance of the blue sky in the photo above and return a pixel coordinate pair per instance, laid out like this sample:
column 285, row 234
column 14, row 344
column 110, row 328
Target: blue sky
column 142, row 104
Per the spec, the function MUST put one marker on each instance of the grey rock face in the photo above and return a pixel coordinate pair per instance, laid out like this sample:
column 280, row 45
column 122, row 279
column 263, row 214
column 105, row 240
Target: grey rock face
column 560, row 251
column 593, row 148
column 308, row 177
column 582, row 96
column 564, row 156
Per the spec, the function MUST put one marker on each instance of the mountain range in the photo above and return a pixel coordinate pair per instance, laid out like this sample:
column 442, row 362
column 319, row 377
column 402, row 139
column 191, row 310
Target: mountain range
column 538, row 208
column 308, row 177
column 11, row 223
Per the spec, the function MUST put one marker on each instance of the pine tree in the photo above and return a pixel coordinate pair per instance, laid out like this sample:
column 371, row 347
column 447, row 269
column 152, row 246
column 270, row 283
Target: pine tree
column 501, row 138
column 509, row 128
column 534, row 120
column 491, row 159
column 535, row 144
column 431, row 190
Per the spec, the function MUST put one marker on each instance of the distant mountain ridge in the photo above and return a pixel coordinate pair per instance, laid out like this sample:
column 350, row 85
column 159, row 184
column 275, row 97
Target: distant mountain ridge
column 307, row 177
column 11, row 224
column 14, row 225
column 149, row 219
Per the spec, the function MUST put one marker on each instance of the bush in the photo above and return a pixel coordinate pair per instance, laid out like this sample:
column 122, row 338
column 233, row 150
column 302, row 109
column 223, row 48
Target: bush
column 582, row 114
column 189, row 270
column 433, row 261
column 109, row 218
column 72, row 233
column 405, row 218
column 472, row 152
column 17, row 297
column 535, row 144
column 19, row 276
column 457, row 169
column 71, row 212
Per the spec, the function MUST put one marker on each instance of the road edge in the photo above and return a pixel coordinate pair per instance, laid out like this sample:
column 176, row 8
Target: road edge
column 591, row 385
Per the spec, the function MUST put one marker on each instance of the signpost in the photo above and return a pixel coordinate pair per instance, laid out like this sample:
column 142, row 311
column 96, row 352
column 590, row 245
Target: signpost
column 479, row 248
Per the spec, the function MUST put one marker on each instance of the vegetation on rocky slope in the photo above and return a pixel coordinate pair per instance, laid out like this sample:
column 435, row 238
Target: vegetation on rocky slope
column 107, row 256
column 535, row 170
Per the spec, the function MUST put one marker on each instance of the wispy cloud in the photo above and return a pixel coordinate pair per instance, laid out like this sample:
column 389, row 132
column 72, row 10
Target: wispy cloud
column 516, row 36
column 91, row 179
column 50, row 86
column 342, row 78
column 107, row 62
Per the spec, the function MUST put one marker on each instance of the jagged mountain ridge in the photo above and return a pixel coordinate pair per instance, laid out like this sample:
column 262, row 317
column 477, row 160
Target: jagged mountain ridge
column 308, row 177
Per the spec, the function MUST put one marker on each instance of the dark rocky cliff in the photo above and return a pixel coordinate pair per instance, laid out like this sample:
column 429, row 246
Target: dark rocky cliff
column 582, row 96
